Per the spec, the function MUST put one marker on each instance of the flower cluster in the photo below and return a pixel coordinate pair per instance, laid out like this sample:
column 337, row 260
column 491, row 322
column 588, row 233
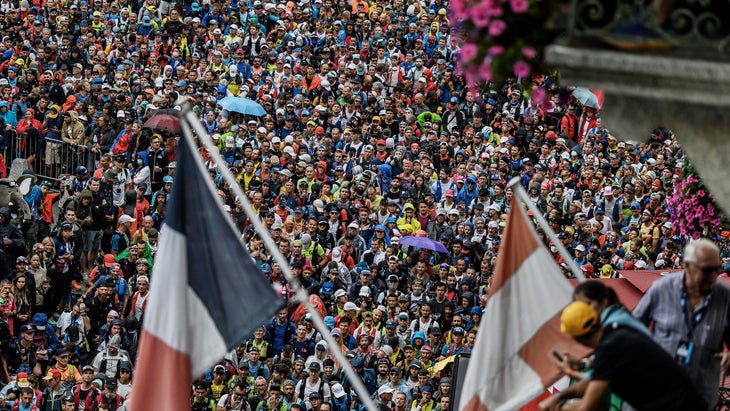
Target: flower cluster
column 502, row 38
column 692, row 206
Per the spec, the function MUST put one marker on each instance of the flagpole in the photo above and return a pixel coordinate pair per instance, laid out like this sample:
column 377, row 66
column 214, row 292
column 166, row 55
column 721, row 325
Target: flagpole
column 520, row 192
column 188, row 116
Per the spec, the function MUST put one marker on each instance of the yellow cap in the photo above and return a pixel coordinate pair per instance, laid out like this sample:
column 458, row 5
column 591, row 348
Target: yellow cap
column 409, row 206
column 578, row 319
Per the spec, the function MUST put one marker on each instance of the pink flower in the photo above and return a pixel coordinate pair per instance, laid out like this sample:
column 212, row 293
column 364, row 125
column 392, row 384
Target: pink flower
column 539, row 96
column 495, row 8
column 480, row 15
column 521, row 69
column 519, row 6
column 468, row 51
column 485, row 70
column 529, row 52
column 495, row 50
column 496, row 27
column 471, row 82
column 459, row 10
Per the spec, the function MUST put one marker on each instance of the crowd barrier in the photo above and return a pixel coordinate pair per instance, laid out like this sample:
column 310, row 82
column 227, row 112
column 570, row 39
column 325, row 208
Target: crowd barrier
column 48, row 159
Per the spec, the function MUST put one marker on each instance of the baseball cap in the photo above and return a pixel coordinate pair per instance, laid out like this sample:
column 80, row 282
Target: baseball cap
column 126, row 219
column 21, row 380
column 578, row 319
column 53, row 373
column 385, row 389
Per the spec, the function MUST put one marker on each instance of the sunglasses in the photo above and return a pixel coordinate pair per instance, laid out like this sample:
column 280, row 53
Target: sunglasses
column 708, row 271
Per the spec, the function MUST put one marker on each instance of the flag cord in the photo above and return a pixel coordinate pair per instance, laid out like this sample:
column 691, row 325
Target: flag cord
column 518, row 190
column 189, row 117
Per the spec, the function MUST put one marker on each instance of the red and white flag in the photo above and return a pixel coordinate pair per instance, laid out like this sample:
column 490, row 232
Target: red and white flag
column 512, row 361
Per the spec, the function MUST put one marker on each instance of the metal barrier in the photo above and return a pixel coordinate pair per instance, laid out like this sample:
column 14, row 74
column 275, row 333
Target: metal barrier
column 48, row 159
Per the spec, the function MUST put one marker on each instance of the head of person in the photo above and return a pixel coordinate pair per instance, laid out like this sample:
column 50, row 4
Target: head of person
column 702, row 266
column 596, row 294
column 581, row 321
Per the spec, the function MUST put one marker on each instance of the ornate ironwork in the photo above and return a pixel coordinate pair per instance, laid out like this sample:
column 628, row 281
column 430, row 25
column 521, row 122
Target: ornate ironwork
column 653, row 23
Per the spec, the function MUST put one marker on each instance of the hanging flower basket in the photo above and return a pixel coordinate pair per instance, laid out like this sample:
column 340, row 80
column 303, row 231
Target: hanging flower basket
column 502, row 38
column 692, row 206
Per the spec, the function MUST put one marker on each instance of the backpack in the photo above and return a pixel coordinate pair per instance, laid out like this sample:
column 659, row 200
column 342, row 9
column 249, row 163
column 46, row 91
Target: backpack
column 418, row 325
column 93, row 392
column 304, row 387
column 315, row 257
column 272, row 329
column 16, row 406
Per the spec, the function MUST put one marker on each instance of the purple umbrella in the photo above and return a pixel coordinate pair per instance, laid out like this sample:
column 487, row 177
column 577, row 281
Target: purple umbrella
column 424, row 242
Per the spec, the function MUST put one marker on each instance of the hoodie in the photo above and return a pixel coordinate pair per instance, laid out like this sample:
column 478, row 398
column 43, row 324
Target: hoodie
column 45, row 337
column 72, row 131
column 82, row 211
column 468, row 196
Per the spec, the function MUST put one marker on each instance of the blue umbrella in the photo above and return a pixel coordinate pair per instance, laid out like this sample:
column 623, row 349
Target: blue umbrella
column 242, row 105
column 424, row 242
column 586, row 97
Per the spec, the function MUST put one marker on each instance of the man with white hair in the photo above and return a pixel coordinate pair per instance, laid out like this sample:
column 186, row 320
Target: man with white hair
column 690, row 310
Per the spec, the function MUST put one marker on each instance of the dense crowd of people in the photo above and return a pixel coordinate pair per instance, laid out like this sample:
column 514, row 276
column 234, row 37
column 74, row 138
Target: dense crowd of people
column 370, row 135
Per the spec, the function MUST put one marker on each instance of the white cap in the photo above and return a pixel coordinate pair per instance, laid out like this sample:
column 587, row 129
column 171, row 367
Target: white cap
column 350, row 306
column 384, row 389
column 337, row 390
column 126, row 219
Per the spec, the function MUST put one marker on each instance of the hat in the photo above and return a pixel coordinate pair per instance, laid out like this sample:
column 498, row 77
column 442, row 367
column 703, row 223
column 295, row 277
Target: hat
column 314, row 395
column 350, row 306
column 110, row 382
column 364, row 291
column 415, row 363
column 580, row 247
column 315, row 366
column 578, row 319
column 21, row 259
column 21, row 380
column 337, row 390
column 385, row 389
column 115, row 341
column 458, row 331
column 53, row 373
column 126, row 219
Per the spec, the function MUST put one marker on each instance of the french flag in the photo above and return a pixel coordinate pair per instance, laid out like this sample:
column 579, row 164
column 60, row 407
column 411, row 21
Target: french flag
column 206, row 295
column 512, row 362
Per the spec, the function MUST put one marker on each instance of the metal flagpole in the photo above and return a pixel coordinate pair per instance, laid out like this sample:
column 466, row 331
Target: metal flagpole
column 520, row 192
column 188, row 118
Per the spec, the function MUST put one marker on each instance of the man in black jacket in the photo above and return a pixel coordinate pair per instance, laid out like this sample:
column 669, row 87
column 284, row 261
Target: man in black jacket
column 628, row 363
column 12, row 242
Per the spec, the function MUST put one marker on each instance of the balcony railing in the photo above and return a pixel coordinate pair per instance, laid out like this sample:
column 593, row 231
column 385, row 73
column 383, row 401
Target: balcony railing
column 653, row 24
